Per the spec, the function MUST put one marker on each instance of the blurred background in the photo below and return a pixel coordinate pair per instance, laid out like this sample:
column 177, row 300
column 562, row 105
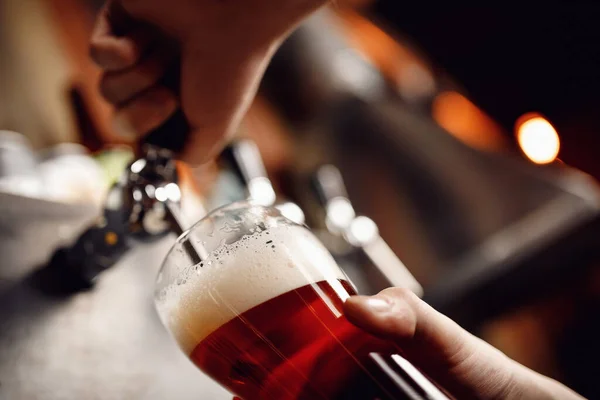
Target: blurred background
column 468, row 135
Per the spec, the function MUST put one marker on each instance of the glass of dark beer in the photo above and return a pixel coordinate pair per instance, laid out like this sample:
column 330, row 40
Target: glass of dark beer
column 255, row 301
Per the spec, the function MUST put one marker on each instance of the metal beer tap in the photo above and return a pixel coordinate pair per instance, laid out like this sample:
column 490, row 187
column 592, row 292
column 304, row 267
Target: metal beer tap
column 371, row 264
column 243, row 156
column 143, row 206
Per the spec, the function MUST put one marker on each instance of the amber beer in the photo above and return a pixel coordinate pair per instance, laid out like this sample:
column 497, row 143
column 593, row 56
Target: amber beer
column 263, row 318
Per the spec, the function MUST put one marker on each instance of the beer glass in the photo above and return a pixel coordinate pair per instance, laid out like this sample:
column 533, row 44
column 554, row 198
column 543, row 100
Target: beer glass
column 255, row 301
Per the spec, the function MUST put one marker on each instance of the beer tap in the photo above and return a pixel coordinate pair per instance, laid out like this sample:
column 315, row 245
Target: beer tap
column 143, row 206
column 383, row 267
column 243, row 157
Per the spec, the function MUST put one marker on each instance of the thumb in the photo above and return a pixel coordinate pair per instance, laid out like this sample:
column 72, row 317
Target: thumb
column 461, row 363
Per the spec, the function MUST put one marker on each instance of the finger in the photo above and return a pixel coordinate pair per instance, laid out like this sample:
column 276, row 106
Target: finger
column 119, row 87
column 203, row 145
column 145, row 112
column 118, row 41
column 460, row 362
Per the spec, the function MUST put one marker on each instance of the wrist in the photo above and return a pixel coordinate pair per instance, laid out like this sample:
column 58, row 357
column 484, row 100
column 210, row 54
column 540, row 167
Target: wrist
column 293, row 12
column 250, row 26
column 269, row 23
column 529, row 384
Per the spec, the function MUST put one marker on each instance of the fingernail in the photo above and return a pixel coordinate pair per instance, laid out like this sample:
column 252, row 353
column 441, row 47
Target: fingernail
column 377, row 304
column 123, row 128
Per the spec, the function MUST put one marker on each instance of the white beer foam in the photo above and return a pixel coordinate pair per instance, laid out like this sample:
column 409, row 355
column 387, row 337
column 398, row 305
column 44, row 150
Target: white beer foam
column 238, row 277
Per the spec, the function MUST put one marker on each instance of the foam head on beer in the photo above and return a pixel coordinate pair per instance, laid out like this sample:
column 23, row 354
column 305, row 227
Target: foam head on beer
column 240, row 276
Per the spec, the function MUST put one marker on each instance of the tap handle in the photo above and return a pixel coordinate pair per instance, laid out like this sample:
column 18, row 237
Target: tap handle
column 245, row 159
column 328, row 184
column 243, row 156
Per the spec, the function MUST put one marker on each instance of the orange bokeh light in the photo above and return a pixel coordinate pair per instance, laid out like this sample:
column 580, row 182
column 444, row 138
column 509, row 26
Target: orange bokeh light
column 537, row 138
column 467, row 122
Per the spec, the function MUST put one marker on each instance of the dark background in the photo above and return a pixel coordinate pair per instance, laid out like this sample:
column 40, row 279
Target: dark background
column 513, row 59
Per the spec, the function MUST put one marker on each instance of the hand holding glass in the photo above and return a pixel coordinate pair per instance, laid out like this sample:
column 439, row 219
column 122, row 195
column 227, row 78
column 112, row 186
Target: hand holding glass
column 261, row 312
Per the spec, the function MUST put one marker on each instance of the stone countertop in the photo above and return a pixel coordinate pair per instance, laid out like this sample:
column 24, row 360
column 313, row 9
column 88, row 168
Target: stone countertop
column 107, row 343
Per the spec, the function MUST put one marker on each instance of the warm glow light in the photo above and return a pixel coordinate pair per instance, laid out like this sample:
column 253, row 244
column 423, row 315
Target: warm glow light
column 400, row 64
column 538, row 139
column 467, row 122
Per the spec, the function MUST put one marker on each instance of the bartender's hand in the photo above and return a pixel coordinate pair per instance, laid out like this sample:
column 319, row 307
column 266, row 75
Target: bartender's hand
column 464, row 365
column 224, row 48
